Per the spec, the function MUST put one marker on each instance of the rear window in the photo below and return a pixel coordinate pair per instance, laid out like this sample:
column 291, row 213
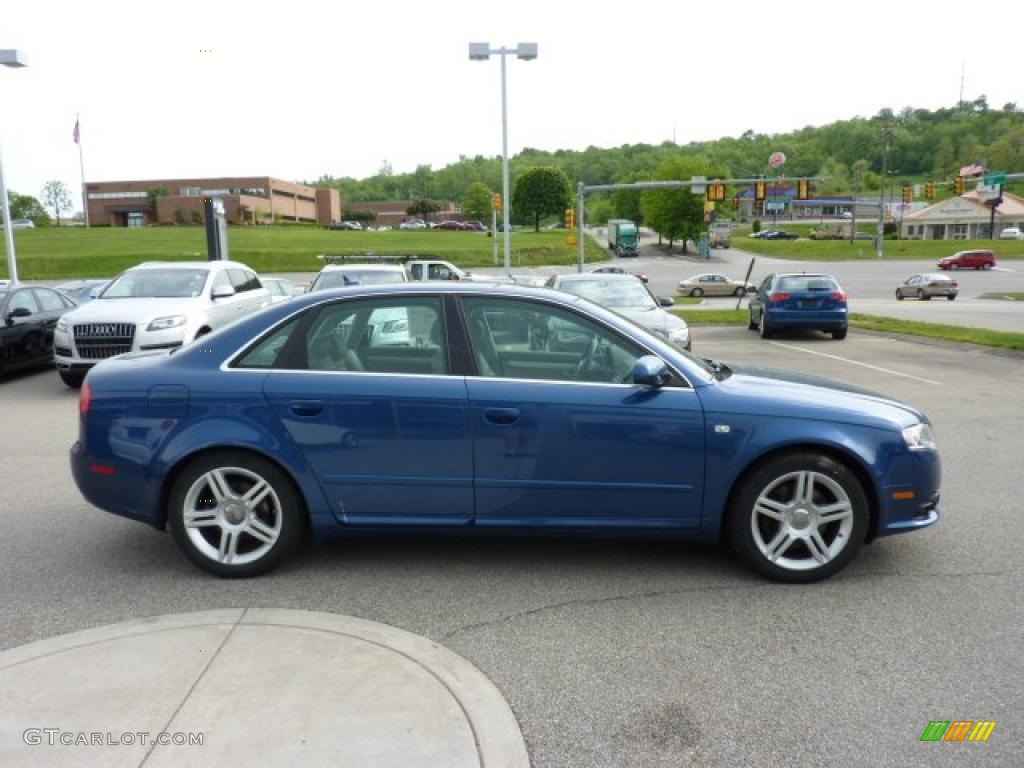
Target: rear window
column 807, row 283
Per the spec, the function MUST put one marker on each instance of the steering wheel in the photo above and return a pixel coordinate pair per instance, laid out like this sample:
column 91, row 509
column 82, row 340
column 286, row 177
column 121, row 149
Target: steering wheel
column 588, row 357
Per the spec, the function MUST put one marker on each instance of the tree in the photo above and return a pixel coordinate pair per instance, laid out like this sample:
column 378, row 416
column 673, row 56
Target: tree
column 423, row 207
column 677, row 214
column 542, row 191
column 476, row 205
column 154, row 194
column 27, row 207
column 55, row 195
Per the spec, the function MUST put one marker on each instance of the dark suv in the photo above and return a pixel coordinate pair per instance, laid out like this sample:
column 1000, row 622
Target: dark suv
column 968, row 260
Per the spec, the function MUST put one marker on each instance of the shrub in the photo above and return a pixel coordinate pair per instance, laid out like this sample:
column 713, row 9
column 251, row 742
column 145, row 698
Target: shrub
column 756, row 226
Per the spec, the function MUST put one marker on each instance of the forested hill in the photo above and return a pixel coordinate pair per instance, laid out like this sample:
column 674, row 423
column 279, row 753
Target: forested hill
column 922, row 143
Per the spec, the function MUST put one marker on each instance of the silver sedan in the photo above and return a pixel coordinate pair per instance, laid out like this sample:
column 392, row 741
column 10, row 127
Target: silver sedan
column 713, row 285
column 927, row 285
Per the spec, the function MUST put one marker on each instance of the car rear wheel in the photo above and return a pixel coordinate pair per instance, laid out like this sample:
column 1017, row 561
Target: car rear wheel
column 899, row 295
column 235, row 514
column 73, row 380
column 840, row 334
column 799, row 518
column 739, row 292
column 986, row 266
column 751, row 322
column 697, row 292
column 951, row 296
column 926, row 297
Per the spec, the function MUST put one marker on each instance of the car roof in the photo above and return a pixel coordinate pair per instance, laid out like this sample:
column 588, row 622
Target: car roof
column 603, row 276
column 364, row 267
column 189, row 265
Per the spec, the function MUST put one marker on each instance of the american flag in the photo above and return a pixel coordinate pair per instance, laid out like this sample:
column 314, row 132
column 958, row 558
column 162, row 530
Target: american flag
column 76, row 134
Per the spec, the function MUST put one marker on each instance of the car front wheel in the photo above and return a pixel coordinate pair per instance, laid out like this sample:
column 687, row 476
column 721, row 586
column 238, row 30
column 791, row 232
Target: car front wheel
column 697, row 293
column 899, row 295
column 763, row 328
column 235, row 514
column 798, row 518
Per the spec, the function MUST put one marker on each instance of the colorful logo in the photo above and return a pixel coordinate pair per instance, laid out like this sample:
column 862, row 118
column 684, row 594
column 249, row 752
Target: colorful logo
column 958, row 730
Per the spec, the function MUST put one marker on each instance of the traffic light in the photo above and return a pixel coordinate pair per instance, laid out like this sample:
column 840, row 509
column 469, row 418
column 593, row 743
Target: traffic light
column 759, row 190
column 908, row 194
column 929, row 190
column 498, row 202
column 716, row 192
column 803, row 189
column 958, row 185
column 570, row 218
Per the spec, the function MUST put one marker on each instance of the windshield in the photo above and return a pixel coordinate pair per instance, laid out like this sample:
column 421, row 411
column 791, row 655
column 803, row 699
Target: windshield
column 339, row 279
column 807, row 283
column 614, row 294
column 157, row 284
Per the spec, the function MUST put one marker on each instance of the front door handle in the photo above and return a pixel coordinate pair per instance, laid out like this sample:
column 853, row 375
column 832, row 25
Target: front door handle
column 502, row 415
column 307, row 407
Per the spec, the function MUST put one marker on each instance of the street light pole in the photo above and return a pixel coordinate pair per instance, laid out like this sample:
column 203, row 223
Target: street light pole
column 482, row 52
column 9, row 58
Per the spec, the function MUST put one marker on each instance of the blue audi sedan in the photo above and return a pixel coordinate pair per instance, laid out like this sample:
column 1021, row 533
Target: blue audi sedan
column 473, row 408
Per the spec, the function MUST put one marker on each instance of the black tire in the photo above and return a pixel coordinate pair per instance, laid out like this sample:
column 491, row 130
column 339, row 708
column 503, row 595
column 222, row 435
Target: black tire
column 899, row 295
column 840, row 334
column 763, row 328
column 794, row 563
column 751, row 322
column 951, row 296
column 986, row 266
column 739, row 293
column 73, row 380
column 920, row 295
column 697, row 292
column 926, row 297
column 282, row 503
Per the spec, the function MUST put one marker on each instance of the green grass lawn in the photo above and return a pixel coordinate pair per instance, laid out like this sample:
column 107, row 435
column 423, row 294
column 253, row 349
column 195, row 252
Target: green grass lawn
column 1007, row 296
column 842, row 250
column 66, row 252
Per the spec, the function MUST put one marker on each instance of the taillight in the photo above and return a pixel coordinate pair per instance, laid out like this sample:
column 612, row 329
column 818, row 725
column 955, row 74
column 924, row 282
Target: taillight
column 839, row 296
column 778, row 298
column 84, row 398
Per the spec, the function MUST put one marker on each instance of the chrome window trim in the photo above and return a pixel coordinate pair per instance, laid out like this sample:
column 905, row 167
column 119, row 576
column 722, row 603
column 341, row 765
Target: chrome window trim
column 233, row 356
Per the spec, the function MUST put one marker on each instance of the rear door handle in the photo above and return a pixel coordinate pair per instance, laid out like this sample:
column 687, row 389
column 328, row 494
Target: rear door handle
column 307, row 407
column 501, row 415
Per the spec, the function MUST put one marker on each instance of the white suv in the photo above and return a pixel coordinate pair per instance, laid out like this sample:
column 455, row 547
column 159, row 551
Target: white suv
column 156, row 305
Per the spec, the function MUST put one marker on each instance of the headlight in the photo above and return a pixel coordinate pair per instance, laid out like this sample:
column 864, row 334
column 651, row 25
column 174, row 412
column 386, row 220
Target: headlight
column 919, row 437
column 62, row 325
column 163, row 323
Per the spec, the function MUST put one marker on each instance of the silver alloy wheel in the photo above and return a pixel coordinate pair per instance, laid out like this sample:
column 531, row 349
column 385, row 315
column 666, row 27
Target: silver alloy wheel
column 232, row 515
column 802, row 520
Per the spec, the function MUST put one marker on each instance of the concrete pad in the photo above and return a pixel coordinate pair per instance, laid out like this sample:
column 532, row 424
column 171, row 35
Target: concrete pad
column 262, row 687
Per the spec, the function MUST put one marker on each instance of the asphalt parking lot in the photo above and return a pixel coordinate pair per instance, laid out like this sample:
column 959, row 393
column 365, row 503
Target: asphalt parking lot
column 628, row 653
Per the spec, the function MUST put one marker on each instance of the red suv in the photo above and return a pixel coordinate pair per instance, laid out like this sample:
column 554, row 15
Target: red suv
column 968, row 260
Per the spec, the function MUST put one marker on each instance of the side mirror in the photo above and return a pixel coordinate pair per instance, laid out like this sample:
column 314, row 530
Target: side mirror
column 667, row 302
column 651, row 371
column 18, row 312
column 223, row 292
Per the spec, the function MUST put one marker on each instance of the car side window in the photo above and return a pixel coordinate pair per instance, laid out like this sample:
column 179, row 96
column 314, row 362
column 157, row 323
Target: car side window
column 267, row 353
column 386, row 335
column 49, row 301
column 221, row 281
column 22, row 300
column 766, row 284
column 530, row 340
column 253, row 281
column 239, row 280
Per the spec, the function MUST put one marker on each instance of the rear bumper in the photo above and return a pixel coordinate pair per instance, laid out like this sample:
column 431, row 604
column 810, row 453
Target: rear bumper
column 120, row 487
column 808, row 318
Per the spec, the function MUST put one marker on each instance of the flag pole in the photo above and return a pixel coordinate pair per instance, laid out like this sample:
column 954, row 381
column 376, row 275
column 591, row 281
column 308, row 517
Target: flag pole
column 81, row 167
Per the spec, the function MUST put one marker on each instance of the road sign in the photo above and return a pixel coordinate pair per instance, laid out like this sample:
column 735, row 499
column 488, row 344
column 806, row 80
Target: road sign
column 995, row 179
column 698, row 188
column 777, row 160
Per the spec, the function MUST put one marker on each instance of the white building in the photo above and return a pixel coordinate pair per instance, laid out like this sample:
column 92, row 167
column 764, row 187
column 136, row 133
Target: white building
column 963, row 218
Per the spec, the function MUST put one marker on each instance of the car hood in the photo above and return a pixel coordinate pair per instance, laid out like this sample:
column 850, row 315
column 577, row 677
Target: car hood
column 770, row 392
column 133, row 310
column 657, row 320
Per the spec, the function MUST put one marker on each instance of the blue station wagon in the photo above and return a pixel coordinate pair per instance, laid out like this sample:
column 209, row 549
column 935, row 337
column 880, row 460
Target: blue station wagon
column 472, row 408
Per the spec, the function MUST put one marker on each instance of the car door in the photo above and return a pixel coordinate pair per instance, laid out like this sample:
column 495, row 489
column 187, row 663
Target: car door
column 51, row 306
column 24, row 339
column 365, row 392
column 757, row 300
column 561, row 436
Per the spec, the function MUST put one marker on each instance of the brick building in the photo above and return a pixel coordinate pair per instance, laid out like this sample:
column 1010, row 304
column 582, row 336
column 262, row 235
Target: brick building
column 247, row 199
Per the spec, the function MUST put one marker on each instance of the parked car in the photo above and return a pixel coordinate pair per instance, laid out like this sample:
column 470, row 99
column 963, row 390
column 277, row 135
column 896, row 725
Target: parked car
column 482, row 427
column 156, row 305
column 342, row 275
column 537, row 281
column 620, row 271
column 346, row 226
column 1011, row 233
column 478, row 226
column 20, row 224
column 83, row 291
column 28, row 315
column 459, row 226
column 927, row 285
column 713, row 284
column 787, row 300
column 978, row 259
column 413, row 224
column 629, row 297
column 778, row 234
column 858, row 235
column 280, row 289
column 436, row 269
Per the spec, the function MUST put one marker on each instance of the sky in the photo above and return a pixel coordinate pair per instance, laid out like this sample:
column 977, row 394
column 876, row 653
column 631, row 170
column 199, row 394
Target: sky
column 294, row 91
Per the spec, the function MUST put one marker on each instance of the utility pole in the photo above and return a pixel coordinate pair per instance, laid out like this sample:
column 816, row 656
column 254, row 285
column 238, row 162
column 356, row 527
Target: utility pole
column 886, row 135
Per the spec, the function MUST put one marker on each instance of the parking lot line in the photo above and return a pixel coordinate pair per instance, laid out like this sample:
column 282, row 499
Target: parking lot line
column 857, row 362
